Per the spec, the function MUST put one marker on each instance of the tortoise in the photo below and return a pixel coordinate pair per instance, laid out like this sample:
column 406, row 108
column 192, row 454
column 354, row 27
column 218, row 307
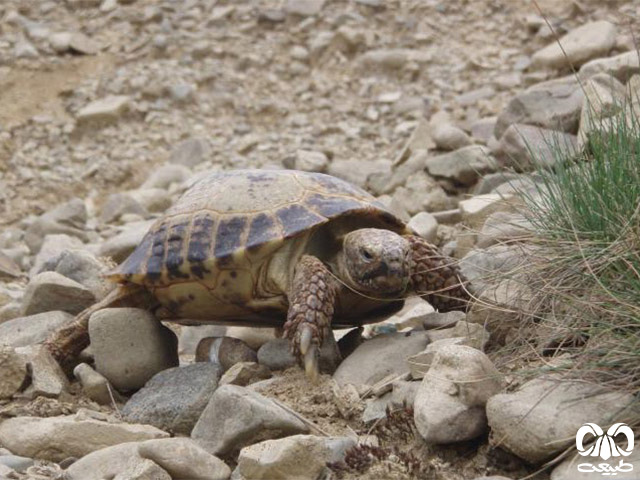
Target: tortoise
column 302, row 250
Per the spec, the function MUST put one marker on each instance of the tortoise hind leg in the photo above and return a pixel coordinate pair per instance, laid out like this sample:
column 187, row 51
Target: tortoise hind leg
column 312, row 297
column 66, row 343
column 436, row 277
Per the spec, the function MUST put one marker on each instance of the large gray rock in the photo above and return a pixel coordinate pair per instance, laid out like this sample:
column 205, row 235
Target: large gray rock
column 303, row 457
column 541, row 418
column 555, row 105
column 174, row 399
column 130, row 346
column 13, row 372
column 23, row 331
column 463, row 166
column 68, row 218
column 525, row 147
column 50, row 291
column 379, row 357
column 449, row 405
column 184, row 459
column 591, row 40
column 236, row 417
column 56, row 438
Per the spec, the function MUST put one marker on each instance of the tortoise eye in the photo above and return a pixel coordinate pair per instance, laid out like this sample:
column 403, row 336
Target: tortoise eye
column 366, row 254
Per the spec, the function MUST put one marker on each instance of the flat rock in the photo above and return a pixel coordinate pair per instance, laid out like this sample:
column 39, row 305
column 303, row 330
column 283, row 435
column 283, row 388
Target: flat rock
column 184, row 459
column 449, row 405
column 555, row 105
column 541, row 418
column 130, row 346
column 174, row 399
column 463, row 166
column 16, row 462
column 23, row 331
column 380, row 357
column 105, row 463
column 622, row 67
column 13, row 372
column 236, row 417
column 106, row 110
column 592, row 40
column 303, row 457
column 50, row 291
column 56, row 438
column 525, row 147
column 245, row 373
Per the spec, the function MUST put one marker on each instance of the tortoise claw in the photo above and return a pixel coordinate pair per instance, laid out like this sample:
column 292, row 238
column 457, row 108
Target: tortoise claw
column 311, row 363
column 306, row 338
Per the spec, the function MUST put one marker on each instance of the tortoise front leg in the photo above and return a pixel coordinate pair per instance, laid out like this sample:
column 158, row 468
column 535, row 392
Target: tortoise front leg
column 436, row 277
column 312, row 297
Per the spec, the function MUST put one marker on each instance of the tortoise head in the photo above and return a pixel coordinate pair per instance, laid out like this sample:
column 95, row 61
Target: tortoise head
column 375, row 262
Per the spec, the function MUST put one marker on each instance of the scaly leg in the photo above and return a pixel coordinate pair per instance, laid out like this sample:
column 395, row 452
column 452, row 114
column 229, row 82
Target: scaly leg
column 311, row 304
column 436, row 277
column 66, row 343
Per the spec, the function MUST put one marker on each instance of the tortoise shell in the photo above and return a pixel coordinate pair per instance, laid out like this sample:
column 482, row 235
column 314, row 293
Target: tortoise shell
column 229, row 223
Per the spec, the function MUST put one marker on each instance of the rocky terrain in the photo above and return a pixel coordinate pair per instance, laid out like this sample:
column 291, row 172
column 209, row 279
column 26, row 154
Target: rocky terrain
column 112, row 108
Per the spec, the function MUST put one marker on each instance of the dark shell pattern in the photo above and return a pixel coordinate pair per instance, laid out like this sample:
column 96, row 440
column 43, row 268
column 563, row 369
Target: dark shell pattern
column 226, row 214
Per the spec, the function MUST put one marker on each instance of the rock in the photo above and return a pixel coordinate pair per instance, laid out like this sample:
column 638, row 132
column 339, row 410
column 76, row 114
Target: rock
column 555, row 105
column 482, row 129
column 393, row 59
column 463, row 166
column 143, row 470
column 489, row 183
column 82, row 267
column 16, row 462
column 105, row 463
column 622, row 67
column 358, row 171
column 56, row 438
column 482, row 266
column 105, row 110
column 14, row 372
column 184, row 459
column 47, row 378
column 303, row 457
column 525, row 148
column 121, row 245
column 245, row 373
column 421, row 193
column 167, row 175
column 155, row 200
column 80, row 43
column 380, row 357
column 449, row 405
column 592, row 40
column 174, row 399
column 449, row 137
column 190, row 152
column 95, row 386
column 7, row 472
column 381, row 183
column 376, row 408
column 226, row 351
column 276, row 354
column 119, row 204
column 254, row 337
column 130, row 346
column 33, row 329
column 475, row 335
column 568, row 469
column 433, row 320
column 68, row 218
column 25, row 49
column 236, row 417
column 50, row 291
column 604, row 98
column 51, row 248
column 8, row 268
column 541, row 418
column 425, row 225
column 190, row 336
column 60, row 41
column 474, row 96
column 304, row 8
column 309, row 161
column 500, row 227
